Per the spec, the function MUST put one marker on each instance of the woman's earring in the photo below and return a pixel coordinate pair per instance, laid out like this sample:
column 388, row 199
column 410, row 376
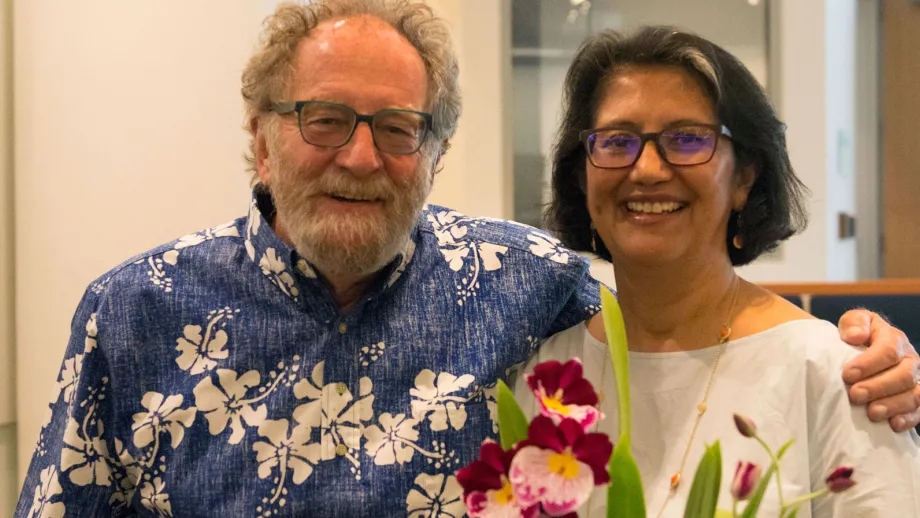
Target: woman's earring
column 593, row 240
column 738, row 240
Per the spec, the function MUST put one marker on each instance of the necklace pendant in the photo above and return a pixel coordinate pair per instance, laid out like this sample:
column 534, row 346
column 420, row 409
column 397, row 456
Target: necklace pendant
column 724, row 334
column 675, row 480
column 701, row 408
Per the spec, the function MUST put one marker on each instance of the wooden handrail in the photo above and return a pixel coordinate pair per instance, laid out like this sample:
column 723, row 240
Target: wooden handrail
column 867, row 287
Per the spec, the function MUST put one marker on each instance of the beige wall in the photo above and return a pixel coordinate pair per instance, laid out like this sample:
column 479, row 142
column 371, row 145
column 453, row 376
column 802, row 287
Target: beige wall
column 9, row 488
column 128, row 134
column 8, row 479
column 477, row 170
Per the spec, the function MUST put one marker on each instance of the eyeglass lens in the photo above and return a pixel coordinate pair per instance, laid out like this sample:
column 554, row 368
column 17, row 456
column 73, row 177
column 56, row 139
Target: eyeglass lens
column 331, row 125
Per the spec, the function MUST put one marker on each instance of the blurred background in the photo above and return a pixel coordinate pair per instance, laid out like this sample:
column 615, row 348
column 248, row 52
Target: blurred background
column 120, row 129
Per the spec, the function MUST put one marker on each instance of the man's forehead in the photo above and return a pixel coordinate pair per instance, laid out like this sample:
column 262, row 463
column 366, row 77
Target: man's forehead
column 354, row 26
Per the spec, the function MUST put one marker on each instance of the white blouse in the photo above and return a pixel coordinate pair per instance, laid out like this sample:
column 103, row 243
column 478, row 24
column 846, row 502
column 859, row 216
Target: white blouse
column 788, row 380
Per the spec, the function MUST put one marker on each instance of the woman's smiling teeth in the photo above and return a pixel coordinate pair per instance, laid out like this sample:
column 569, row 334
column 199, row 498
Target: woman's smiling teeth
column 653, row 207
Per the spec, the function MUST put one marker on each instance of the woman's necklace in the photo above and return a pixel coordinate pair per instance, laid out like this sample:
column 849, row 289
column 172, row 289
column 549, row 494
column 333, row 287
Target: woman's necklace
column 724, row 335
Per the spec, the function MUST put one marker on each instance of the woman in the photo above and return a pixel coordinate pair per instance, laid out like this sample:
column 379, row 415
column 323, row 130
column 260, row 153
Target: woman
column 676, row 169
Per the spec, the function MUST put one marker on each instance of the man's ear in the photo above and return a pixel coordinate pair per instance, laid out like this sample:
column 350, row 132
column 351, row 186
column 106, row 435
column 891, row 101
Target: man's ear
column 436, row 165
column 260, row 150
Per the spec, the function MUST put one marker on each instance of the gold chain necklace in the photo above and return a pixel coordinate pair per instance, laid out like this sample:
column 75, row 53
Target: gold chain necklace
column 701, row 408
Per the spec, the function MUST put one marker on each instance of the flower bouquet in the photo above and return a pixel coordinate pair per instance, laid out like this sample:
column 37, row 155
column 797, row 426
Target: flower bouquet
column 550, row 465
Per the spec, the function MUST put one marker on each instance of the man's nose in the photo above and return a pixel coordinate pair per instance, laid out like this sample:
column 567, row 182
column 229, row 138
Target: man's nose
column 360, row 155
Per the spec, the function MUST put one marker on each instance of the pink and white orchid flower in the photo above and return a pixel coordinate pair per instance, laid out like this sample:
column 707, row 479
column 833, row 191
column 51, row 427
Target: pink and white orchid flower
column 487, row 491
column 558, row 466
column 563, row 392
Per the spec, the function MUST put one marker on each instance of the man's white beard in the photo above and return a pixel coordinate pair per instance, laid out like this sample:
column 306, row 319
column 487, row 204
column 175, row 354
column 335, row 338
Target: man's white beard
column 355, row 245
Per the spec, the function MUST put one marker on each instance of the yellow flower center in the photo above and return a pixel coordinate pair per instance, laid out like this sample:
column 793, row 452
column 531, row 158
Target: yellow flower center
column 564, row 464
column 554, row 403
column 504, row 496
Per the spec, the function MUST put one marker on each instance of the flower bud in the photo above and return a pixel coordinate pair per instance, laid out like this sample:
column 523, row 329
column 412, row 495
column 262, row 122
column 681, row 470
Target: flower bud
column 745, row 426
column 747, row 476
column 840, row 479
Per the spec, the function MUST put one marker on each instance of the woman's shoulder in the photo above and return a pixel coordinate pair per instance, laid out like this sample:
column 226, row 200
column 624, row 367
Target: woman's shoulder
column 566, row 344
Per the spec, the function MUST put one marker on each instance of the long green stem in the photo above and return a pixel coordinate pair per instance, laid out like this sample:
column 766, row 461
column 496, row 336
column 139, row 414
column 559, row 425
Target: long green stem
column 803, row 499
column 779, row 483
column 734, row 508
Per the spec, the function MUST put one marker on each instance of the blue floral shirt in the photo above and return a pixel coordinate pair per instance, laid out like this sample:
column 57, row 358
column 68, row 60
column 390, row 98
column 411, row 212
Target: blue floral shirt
column 215, row 376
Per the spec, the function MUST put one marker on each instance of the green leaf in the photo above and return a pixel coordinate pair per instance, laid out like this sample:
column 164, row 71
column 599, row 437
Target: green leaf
column 624, row 495
column 625, row 498
column 782, row 449
column 512, row 424
column 750, row 511
column 619, row 354
column 704, row 493
column 792, row 512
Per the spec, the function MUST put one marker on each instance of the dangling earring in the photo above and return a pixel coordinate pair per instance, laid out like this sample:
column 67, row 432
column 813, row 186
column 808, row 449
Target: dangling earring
column 738, row 240
column 593, row 241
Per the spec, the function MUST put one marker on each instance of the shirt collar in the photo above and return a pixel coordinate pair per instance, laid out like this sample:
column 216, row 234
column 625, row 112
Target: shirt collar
column 282, row 264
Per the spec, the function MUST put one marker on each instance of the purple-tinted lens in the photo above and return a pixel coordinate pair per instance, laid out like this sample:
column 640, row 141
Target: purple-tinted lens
column 614, row 148
column 689, row 145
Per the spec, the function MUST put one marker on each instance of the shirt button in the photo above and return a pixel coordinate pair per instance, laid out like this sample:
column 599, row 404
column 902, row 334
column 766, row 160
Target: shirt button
column 342, row 328
column 341, row 450
column 341, row 388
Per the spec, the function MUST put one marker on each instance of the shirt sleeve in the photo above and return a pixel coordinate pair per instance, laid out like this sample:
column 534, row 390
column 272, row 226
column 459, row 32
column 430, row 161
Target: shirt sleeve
column 886, row 464
column 581, row 302
column 79, row 467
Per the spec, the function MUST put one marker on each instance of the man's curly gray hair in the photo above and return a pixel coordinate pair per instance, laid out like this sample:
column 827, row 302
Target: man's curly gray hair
column 269, row 70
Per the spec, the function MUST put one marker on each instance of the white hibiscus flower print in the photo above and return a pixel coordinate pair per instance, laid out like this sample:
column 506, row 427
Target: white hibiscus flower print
column 339, row 415
column 435, row 496
column 154, row 497
column 252, row 229
column 436, row 399
column 275, row 269
column 201, row 352
column 226, row 403
column 126, row 475
column 225, row 230
column 451, row 229
column 91, row 331
column 163, row 415
column 394, row 440
column 47, row 488
column 70, row 377
column 288, row 452
column 548, row 247
column 157, row 271
column 407, row 255
column 85, row 458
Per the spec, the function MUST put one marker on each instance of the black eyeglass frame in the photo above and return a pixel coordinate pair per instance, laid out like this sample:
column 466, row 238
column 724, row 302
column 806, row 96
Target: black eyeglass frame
column 720, row 129
column 285, row 108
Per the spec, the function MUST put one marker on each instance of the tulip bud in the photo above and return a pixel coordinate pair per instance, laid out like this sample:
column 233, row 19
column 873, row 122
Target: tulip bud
column 745, row 426
column 747, row 476
column 840, row 479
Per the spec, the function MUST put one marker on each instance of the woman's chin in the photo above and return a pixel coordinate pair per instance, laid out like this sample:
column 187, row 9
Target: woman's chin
column 646, row 254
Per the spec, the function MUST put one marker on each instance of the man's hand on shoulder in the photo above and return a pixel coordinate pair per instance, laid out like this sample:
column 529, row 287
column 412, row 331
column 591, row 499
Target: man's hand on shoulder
column 887, row 375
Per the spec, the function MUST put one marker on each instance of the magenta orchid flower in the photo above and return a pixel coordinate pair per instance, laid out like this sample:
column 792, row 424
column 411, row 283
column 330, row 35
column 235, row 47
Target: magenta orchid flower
column 563, row 392
column 558, row 466
column 487, row 491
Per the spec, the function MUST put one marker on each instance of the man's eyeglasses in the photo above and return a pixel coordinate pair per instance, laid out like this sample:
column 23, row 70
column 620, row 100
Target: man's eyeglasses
column 682, row 145
column 325, row 124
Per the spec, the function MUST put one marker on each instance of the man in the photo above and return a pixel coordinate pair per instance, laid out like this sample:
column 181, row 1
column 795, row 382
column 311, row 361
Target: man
column 331, row 353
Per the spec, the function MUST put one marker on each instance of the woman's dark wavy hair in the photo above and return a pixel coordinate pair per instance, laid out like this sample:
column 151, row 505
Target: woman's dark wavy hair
column 775, row 207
